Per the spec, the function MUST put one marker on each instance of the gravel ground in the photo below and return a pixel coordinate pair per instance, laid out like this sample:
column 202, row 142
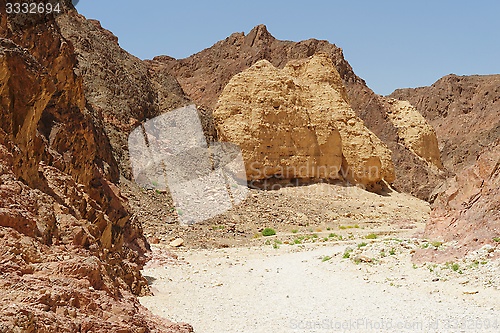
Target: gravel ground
column 303, row 208
column 313, row 288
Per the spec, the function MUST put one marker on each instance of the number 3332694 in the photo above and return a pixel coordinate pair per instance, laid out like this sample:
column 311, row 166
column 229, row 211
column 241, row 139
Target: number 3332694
column 32, row 8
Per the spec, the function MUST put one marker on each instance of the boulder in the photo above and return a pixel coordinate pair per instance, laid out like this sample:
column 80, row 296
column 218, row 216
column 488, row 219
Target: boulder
column 296, row 123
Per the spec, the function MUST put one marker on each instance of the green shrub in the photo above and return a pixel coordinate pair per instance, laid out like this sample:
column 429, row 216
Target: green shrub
column 218, row 227
column 268, row 232
column 436, row 244
column 360, row 245
column 294, row 231
column 326, row 258
column 371, row 236
column 475, row 264
column 347, row 253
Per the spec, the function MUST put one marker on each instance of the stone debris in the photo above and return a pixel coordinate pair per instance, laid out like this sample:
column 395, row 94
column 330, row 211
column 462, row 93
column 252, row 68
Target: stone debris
column 176, row 242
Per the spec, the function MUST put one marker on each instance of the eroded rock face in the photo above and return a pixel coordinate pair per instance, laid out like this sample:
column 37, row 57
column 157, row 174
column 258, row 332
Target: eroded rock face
column 467, row 208
column 71, row 256
column 120, row 90
column 204, row 75
column 414, row 131
column 464, row 112
column 297, row 123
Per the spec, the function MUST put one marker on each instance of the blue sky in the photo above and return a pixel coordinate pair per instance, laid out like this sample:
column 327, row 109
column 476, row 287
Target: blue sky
column 391, row 44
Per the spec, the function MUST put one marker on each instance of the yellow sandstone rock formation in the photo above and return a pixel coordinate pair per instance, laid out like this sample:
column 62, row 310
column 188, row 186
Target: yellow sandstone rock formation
column 417, row 134
column 297, row 123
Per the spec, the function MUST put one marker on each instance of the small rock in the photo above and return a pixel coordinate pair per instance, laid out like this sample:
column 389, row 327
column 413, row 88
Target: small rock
column 61, row 311
column 363, row 258
column 470, row 291
column 488, row 248
column 72, row 313
column 177, row 242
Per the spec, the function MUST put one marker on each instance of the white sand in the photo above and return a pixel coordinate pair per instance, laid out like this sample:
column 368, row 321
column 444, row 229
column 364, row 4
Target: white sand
column 291, row 289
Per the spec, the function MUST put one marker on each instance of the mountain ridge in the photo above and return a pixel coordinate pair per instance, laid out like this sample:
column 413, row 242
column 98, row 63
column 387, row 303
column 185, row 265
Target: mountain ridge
column 204, row 75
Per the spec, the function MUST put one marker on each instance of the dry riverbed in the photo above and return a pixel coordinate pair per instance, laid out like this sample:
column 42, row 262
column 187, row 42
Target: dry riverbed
column 360, row 285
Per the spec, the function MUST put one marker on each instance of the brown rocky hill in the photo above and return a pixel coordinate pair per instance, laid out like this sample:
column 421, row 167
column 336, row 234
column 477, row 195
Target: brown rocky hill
column 464, row 110
column 118, row 86
column 121, row 92
column 71, row 255
column 204, row 75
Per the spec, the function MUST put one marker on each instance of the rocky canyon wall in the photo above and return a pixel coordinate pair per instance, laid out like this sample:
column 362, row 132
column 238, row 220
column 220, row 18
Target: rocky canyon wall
column 464, row 110
column 71, row 255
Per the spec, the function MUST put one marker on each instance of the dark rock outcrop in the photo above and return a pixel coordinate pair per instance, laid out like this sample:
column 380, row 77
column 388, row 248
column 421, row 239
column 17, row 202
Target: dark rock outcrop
column 121, row 91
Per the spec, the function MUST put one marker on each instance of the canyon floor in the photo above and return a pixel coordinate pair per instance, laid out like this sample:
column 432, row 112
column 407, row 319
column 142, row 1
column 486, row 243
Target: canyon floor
column 348, row 273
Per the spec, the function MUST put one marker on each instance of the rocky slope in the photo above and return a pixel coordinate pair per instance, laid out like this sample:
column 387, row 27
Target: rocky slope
column 70, row 253
column 296, row 123
column 204, row 75
column 457, row 105
column 467, row 208
column 118, row 86
column 464, row 111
